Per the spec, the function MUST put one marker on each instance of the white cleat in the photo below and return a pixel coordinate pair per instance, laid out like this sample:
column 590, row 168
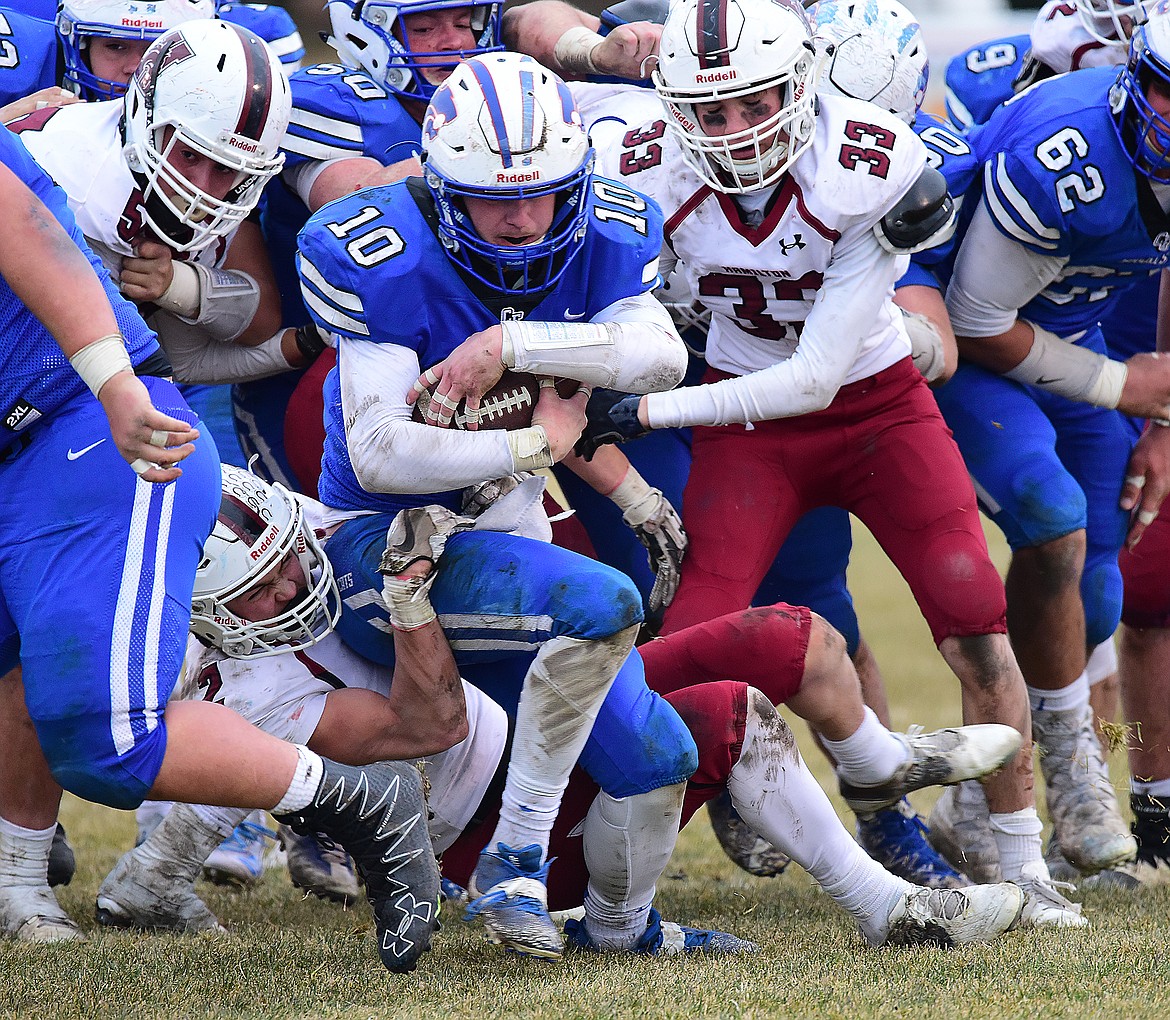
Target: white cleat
column 140, row 893
column 1046, row 907
column 940, row 758
column 32, row 914
column 951, row 917
column 959, row 828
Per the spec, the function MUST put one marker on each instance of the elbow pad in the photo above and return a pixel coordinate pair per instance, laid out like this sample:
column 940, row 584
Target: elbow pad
column 922, row 218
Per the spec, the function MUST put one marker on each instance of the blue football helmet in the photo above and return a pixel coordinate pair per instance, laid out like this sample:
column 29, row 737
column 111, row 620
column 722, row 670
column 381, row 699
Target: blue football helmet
column 370, row 34
column 79, row 21
column 1144, row 133
column 503, row 128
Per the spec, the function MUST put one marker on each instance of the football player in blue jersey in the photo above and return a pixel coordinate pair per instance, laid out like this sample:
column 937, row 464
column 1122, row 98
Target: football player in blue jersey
column 511, row 242
column 1068, row 227
column 273, row 24
column 83, row 393
column 355, row 123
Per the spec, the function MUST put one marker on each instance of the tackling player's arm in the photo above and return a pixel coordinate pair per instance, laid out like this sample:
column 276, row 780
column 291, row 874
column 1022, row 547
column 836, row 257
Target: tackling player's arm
column 55, row 281
column 567, row 40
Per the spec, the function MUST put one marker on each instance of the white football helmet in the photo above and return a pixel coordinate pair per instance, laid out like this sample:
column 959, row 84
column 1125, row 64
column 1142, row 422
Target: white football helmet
column 217, row 88
column 369, row 34
column 872, row 50
column 717, row 50
column 504, row 127
column 80, row 20
column 1107, row 21
column 257, row 527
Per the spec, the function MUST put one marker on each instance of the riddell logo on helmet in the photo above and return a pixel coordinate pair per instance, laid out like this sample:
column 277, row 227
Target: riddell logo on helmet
column 725, row 74
column 261, row 547
column 242, row 144
column 521, row 177
column 142, row 23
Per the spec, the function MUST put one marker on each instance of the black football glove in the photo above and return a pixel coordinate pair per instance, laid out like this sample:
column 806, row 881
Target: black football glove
column 611, row 416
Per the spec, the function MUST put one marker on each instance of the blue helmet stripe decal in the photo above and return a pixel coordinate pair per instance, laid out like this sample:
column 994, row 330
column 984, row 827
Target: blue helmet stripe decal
column 492, row 99
column 527, row 86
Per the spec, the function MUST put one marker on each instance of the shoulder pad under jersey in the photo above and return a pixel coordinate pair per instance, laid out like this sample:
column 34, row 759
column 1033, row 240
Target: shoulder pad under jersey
column 922, row 218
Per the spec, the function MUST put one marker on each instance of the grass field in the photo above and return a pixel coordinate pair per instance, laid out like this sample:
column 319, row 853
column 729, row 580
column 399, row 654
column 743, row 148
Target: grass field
column 290, row 957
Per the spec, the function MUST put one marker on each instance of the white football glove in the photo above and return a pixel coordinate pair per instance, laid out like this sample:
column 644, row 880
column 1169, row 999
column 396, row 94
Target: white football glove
column 926, row 345
column 659, row 528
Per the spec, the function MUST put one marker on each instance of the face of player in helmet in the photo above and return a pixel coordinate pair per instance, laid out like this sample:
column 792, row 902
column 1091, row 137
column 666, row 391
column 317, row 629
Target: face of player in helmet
column 729, row 117
column 1158, row 139
column 517, row 222
column 282, row 586
column 429, row 34
column 115, row 60
column 201, row 171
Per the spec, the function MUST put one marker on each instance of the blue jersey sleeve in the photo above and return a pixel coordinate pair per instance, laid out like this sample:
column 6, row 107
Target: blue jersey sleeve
column 980, row 79
column 28, row 55
column 273, row 24
column 340, row 112
column 952, row 155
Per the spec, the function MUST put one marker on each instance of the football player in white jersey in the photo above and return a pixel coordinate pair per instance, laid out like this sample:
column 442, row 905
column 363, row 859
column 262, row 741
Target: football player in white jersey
column 264, row 646
column 810, row 377
column 161, row 182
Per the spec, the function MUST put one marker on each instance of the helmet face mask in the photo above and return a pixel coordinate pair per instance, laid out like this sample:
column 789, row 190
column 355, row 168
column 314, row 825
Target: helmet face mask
column 1110, row 21
column 1143, row 131
column 258, row 526
column 872, row 50
column 503, row 128
column 217, row 90
column 81, row 21
column 371, row 34
column 716, row 51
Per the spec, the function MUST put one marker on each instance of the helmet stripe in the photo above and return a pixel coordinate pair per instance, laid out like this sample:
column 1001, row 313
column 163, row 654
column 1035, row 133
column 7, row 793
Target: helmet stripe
column 492, row 99
column 258, row 100
column 712, row 33
column 529, row 99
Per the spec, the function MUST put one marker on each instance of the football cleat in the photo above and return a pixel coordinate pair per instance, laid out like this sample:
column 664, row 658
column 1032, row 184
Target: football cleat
column 509, row 889
column 32, row 914
column 140, row 894
column 742, row 844
column 952, row 917
column 1151, row 867
column 1058, row 865
column 1081, row 801
column 1046, row 907
column 959, row 828
column 938, row 759
column 895, row 837
column 62, row 863
column 320, row 867
column 379, row 814
column 239, row 859
column 665, row 938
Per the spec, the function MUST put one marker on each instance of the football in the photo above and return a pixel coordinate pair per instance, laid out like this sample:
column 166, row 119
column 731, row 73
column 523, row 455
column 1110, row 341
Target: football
column 507, row 405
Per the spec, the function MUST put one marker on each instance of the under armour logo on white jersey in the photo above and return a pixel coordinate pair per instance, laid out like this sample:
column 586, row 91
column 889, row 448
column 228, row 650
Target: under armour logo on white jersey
column 796, row 243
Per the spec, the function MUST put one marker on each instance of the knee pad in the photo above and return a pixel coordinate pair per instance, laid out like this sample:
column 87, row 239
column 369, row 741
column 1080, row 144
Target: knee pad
column 962, row 593
column 1043, row 502
column 1101, row 593
column 84, row 762
column 715, row 714
column 639, row 742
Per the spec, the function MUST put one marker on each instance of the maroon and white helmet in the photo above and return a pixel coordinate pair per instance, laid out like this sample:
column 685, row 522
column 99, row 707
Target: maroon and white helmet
column 257, row 527
column 219, row 89
column 713, row 50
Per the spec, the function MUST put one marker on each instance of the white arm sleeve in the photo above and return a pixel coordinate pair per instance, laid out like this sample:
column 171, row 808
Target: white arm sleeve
column 197, row 357
column 391, row 453
column 303, row 176
column 629, row 345
column 994, row 278
column 859, row 278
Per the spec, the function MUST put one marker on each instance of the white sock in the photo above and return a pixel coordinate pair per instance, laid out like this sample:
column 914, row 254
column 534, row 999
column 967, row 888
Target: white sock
column 562, row 694
column 1017, row 837
column 777, row 795
column 181, row 843
column 305, row 782
column 870, row 755
column 628, row 843
column 24, row 854
column 1159, row 788
column 1067, row 699
column 223, row 819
